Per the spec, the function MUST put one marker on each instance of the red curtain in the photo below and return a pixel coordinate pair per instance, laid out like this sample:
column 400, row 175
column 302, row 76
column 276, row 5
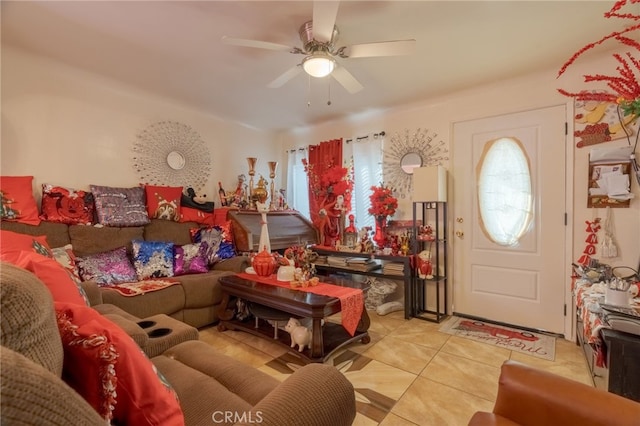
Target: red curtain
column 321, row 158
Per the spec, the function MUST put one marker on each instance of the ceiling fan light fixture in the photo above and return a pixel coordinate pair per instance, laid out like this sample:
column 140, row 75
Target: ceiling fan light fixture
column 319, row 65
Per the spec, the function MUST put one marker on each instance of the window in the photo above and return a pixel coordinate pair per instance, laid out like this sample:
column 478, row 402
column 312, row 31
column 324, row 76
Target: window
column 297, row 187
column 505, row 198
column 367, row 171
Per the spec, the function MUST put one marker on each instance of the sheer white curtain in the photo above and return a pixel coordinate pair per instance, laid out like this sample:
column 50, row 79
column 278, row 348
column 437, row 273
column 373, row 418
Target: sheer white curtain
column 297, row 186
column 367, row 171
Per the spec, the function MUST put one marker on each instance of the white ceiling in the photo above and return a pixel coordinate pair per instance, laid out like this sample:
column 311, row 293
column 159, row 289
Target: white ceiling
column 173, row 48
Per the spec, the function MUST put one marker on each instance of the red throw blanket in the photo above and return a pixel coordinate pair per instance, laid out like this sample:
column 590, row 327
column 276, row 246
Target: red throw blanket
column 351, row 299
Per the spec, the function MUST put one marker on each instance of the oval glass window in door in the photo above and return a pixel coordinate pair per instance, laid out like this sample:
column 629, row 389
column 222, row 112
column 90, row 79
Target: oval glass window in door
column 505, row 198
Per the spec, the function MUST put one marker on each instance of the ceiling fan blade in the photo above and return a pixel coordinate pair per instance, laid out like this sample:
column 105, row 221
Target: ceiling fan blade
column 347, row 80
column 383, row 48
column 286, row 76
column 324, row 19
column 255, row 43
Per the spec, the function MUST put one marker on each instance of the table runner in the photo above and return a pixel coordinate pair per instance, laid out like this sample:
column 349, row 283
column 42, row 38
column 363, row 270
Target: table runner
column 351, row 299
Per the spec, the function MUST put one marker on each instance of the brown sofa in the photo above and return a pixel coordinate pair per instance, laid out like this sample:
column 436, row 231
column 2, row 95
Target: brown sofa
column 528, row 396
column 212, row 388
column 195, row 301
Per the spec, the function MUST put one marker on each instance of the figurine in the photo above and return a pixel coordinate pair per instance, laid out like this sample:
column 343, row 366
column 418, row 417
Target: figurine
column 366, row 245
column 265, row 243
column 300, row 335
column 196, row 202
column 425, row 268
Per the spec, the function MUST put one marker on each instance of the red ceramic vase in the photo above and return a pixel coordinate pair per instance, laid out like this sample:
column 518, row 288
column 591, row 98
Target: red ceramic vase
column 380, row 236
column 264, row 264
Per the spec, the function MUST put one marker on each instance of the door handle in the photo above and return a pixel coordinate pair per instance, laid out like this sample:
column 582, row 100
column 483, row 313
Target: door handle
column 459, row 234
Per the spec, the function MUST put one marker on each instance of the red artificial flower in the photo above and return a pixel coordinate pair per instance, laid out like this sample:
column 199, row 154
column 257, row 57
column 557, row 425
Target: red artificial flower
column 383, row 203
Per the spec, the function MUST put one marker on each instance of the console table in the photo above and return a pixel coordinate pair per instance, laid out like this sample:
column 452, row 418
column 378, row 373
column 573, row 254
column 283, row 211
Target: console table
column 327, row 338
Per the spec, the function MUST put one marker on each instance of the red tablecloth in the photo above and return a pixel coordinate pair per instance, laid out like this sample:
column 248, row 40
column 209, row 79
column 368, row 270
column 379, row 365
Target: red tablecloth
column 351, row 299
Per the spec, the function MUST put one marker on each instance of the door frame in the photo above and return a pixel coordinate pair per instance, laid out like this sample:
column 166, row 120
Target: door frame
column 570, row 309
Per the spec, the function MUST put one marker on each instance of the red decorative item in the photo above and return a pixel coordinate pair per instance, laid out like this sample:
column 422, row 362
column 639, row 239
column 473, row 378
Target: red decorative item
column 264, row 264
column 380, row 236
column 592, row 228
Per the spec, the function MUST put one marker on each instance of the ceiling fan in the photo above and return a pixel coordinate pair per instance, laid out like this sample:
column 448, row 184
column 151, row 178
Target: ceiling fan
column 319, row 38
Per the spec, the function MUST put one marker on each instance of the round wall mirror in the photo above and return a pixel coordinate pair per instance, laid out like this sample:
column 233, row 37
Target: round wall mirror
column 410, row 161
column 176, row 160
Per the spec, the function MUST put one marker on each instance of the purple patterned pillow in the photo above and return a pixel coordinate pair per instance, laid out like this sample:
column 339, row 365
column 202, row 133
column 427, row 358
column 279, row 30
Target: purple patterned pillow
column 212, row 236
column 190, row 259
column 107, row 268
column 152, row 259
column 120, row 206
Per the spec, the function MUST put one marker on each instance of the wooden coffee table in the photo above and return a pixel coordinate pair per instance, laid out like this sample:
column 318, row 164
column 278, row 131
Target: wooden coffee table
column 327, row 338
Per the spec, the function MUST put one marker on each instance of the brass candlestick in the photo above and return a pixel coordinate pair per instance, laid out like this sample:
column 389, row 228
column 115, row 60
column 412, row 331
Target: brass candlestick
column 252, row 171
column 273, row 165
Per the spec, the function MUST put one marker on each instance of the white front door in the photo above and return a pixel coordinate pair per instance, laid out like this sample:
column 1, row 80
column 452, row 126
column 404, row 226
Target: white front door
column 522, row 282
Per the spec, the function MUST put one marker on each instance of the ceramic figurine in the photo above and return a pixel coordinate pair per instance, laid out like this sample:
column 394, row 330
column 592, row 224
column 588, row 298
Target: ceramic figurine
column 300, row 335
column 425, row 268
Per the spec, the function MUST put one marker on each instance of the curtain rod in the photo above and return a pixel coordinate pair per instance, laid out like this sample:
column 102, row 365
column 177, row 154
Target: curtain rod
column 359, row 138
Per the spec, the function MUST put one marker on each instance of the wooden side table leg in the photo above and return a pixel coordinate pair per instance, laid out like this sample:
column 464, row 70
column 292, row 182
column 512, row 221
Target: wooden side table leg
column 317, row 343
column 224, row 312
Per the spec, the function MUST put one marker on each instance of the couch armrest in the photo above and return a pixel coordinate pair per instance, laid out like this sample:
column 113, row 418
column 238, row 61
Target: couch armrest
column 93, row 292
column 131, row 328
column 233, row 264
column 315, row 394
column 531, row 396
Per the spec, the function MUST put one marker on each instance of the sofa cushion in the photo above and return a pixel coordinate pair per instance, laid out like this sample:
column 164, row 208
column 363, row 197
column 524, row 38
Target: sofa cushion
column 212, row 236
column 202, row 289
column 66, row 205
column 88, row 240
column 57, row 233
column 120, row 206
column 110, row 267
column 152, row 259
column 57, row 279
column 163, row 202
column 190, row 259
column 18, row 203
column 27, row 323
column 164, row 230
column 64, row 256
column 169, row 301
column 189, row 214
column 32, row 395
column 104, row 365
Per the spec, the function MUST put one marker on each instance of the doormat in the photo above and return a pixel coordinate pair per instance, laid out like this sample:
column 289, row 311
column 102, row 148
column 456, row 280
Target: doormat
column 526, row 342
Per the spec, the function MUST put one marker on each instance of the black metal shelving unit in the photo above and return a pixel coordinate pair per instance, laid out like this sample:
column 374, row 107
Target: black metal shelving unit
column 432, row 213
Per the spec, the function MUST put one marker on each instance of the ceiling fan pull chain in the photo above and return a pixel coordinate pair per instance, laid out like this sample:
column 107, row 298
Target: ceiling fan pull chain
column 329, row 85
column 308, row 91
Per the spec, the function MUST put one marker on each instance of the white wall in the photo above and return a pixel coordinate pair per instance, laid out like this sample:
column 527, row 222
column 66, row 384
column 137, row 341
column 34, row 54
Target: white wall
column 68, row 127
column 533, row 91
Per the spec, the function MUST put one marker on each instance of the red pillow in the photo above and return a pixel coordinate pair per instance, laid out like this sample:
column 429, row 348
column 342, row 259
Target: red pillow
column 17, row 242
column 104, row 365
column 18, row 204
column 51, row 273
column 189, row 214
column 66, row 205
column 163, row 202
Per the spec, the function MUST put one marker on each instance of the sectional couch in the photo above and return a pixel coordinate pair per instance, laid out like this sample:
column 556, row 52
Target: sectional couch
column 194, row 301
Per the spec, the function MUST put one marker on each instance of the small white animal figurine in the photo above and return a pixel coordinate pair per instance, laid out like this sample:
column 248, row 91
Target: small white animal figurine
column 300, row 335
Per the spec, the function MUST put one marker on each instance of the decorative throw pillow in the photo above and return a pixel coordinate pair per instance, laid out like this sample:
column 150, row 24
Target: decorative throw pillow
column 66, row 205
column 51, row 273
column 163, row 202
column 120, row 206
column 152, row 259
column 110, row 267
column 189, row 214
column 16, row 197
column 212, row 236
column 65, row 257
column 227, row 249
column 16, row 242
column 104, row 365
column 190, row 259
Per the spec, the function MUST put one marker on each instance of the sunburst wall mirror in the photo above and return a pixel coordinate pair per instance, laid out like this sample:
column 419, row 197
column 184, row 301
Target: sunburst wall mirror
column 407, row 151
column 170, row 153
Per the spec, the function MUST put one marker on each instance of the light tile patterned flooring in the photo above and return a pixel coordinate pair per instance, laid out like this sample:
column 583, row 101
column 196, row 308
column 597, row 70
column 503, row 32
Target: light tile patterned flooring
column 410, row 373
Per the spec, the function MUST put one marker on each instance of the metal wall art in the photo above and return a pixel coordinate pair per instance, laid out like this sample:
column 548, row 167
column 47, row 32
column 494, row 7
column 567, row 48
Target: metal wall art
column 408, row 151
column 171, row 154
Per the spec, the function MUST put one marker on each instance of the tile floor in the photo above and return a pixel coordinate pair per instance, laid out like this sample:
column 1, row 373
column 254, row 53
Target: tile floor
column 410, row 373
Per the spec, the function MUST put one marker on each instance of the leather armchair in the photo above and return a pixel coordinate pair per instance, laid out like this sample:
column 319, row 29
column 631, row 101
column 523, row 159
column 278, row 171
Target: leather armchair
column 528, row 396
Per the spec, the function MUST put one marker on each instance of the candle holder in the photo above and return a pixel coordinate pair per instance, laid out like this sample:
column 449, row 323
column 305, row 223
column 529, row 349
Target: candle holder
column 252, row 171
column 273, row 165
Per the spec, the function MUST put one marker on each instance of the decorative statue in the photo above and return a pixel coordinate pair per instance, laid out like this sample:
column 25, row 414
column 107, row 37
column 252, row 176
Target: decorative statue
column 425, row 268
column 366, row 245
column 265, row 243
column 300, row 335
